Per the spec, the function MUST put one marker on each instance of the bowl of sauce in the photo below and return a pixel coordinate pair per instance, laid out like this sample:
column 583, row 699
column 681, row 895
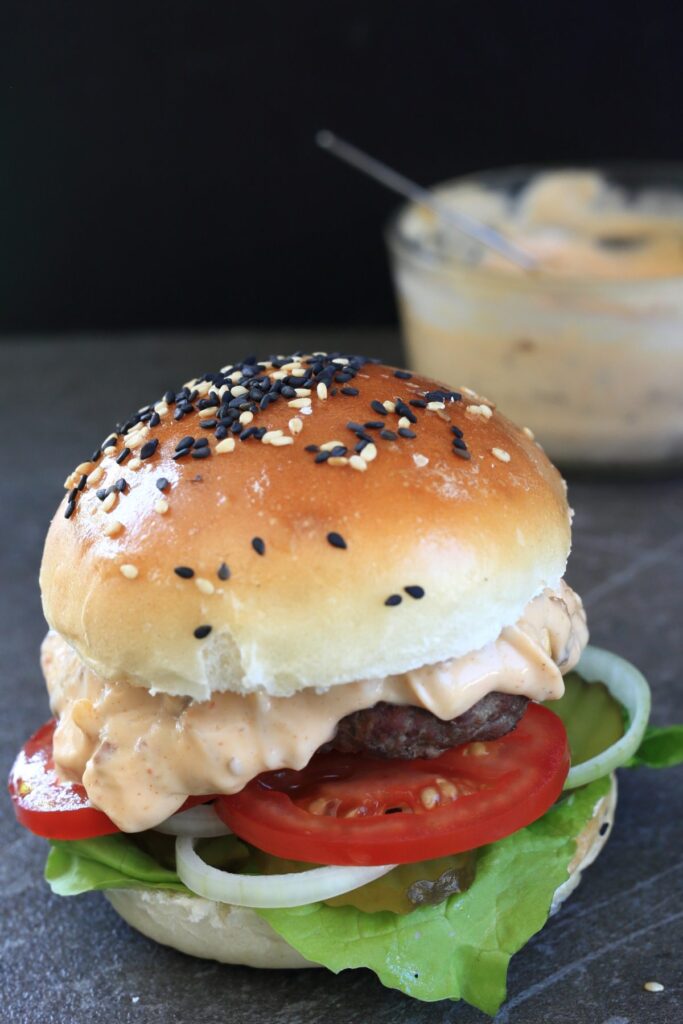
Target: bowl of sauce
column 586, row 349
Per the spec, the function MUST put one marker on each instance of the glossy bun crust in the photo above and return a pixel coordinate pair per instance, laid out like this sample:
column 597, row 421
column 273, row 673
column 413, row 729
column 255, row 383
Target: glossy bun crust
column 300, row 566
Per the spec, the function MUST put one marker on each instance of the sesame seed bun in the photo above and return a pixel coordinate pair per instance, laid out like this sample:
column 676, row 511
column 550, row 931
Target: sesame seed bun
column 276, row 567
column 237, row 935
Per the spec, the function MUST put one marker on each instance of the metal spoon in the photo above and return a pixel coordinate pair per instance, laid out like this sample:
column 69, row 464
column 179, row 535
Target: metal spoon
column 461, row 222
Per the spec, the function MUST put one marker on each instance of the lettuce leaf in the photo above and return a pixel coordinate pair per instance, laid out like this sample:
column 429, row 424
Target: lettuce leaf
column 107, row 862
column 460, row 949
column 662, row 747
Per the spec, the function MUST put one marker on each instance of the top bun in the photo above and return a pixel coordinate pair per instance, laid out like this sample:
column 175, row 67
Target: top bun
column 265, row 567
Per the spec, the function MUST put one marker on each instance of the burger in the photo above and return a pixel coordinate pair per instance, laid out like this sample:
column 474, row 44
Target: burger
column 320, row 694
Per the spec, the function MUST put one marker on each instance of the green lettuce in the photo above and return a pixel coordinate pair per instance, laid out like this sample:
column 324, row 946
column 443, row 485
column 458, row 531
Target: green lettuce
column 107, row 862
column 662, row 747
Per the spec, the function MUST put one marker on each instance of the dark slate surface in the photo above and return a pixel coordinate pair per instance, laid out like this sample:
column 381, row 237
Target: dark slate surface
column 73, row 960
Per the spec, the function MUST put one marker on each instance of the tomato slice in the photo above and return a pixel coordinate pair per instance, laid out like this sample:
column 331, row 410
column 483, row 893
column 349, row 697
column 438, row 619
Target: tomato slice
column 52, row 808
column 356, row 809
column 44, row 804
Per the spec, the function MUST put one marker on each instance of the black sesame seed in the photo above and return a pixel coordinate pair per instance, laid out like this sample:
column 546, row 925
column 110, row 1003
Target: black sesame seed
column 110, row 442
column 404, row 410
column 122, row 456
column 182, row 453
column 322, row 456
column 207, row 424
column 402, row 374
column 404, row 432
column 201, row 442
column 361, row 445
column 249, row 432
column 96, row 455
column 604, row 828
column 338, row 451
column 375, row 425
column 82, row 482
column 462, row 453
column 169, row 397
column 162, row 483
column 352, row 425
column 350, row 391
column 184, row 572
column 336, row 540
column 69, row 510
column 202, row 631
column 388, row 435
column 120, row 485
column 237, row 427
column 416, row 592
column 393, row 600
column 185, row 442
column 102, row 493
column 223, row 572
column 418, row 403
column 155, row 419
column 73, row 494
column 457, row 431
column 201, row 453
column 221, row 432
column 258, row 545
column 459, row 443
column 311, row 448
column 148, row 449
column 378, row 408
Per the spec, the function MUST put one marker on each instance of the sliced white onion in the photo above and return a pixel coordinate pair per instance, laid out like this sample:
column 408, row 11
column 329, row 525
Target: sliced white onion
column 629, row 687
column 201, row 821
column 268, row 891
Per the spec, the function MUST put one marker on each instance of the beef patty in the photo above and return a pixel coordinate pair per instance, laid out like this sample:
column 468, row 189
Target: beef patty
column 391, row 730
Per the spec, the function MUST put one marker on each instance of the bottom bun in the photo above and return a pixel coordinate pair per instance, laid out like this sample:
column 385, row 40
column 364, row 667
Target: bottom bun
column 237, row 935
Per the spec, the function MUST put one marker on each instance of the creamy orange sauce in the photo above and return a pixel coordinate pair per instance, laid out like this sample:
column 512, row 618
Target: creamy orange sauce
column 139, row 755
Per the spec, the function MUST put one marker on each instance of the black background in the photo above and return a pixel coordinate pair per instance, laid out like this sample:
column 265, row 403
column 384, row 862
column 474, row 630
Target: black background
column 157, row 163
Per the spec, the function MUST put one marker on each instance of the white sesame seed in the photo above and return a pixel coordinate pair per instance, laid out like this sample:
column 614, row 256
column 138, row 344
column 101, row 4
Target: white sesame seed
column 206, row 586
column 302, row 392
column 341, row 361
column 529, row 433
column 134, row 463
column 226, row 369
column 369, row 453
column 337, row 460
column 205, row 414
column 270, row 436
column 95, row 476
column 307, row 410
column 420, row 460
column 161, row 408
column 226, row 445
column 501, row 454
column 389, row 405
column 112, row 527
column 84, row 467
column 653, row 986
column 245, row 417
column 279, row 442
column 429, row 797
column 203, row 388
column 433, row 406
column 321, row 391
column 299, row 403
column 109, row 502
column 70, row 481
column 161, row 506
column 298, row 371
column 278, row 375
column 356, row 462
column 129, row 571
column 238, row 390
column 235, row 376
column 329, row 445
column 480, row 410
column 295, row 425
column 404, row 423
column 468, row 391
